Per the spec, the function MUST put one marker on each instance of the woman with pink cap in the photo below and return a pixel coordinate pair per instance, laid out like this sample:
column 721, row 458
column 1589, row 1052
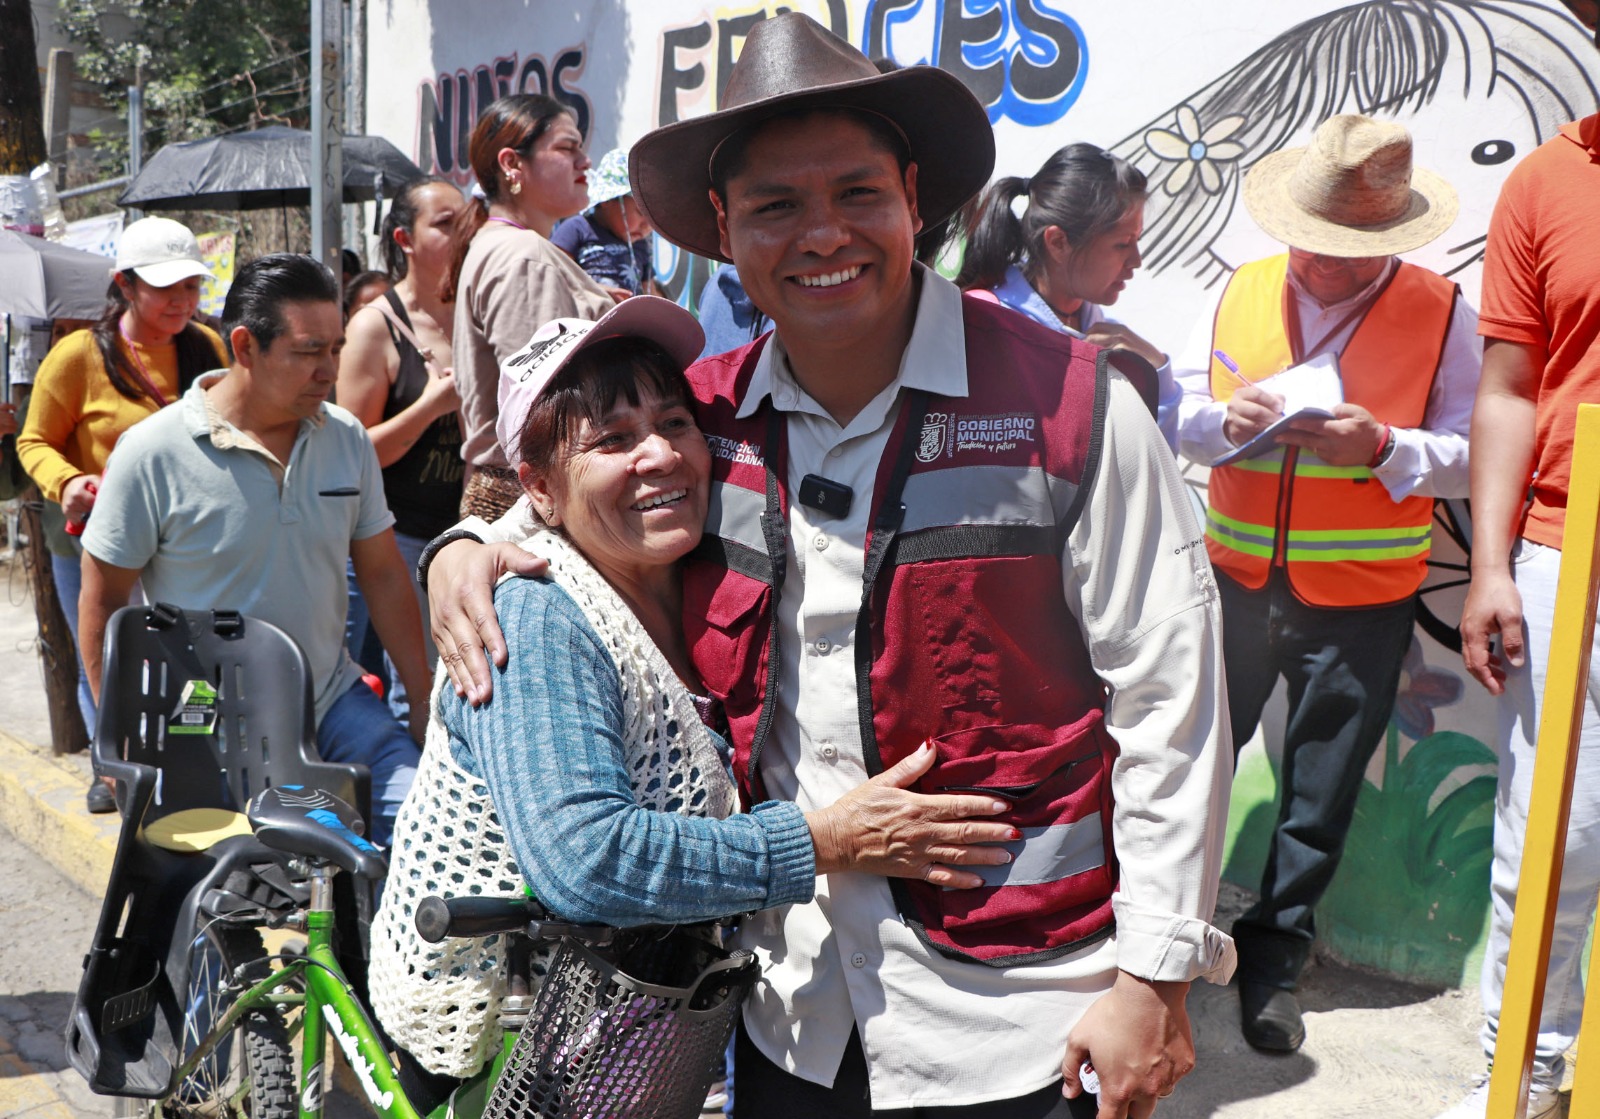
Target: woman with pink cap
column 597, row 774
column 96, row 383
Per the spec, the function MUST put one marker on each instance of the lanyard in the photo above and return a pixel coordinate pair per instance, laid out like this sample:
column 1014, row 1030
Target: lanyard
column 508, row 221
column 143, row 373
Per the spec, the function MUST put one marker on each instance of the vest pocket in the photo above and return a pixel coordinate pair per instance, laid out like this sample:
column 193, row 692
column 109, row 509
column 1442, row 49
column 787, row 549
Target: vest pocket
column 720, row 621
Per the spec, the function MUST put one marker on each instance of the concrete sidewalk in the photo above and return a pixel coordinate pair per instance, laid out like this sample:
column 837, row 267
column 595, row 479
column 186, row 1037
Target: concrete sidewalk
column 1376, row 1046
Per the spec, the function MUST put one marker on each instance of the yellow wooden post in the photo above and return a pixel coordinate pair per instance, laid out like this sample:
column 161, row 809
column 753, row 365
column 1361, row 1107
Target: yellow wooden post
column 1560, row 721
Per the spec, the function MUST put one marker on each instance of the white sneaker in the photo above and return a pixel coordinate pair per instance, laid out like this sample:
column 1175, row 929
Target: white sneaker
column 1543, row 1103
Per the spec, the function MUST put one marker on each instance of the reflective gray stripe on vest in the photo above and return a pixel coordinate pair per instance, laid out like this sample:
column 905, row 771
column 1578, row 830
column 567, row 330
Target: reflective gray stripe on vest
column 1049, row 854
column 734, row 513
column 986, row 495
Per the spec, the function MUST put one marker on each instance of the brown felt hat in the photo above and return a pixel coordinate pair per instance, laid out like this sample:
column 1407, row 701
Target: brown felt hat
column 1352, row 192
column 791, row 63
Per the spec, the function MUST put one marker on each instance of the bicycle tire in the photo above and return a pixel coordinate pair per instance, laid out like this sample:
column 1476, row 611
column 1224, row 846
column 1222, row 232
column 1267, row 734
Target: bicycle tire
column 250, row 1075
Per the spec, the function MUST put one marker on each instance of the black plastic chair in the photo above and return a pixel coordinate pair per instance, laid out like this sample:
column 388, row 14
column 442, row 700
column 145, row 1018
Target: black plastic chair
column 200, row 710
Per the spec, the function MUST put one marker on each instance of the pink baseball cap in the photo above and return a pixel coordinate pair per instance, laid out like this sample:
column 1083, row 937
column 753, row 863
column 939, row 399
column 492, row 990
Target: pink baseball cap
column 525, row 374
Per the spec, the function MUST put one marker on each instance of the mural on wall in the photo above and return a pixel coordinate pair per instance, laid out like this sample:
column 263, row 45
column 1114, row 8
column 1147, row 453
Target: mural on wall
column 449, row 105
column 1518, row 68
column 1193, row 103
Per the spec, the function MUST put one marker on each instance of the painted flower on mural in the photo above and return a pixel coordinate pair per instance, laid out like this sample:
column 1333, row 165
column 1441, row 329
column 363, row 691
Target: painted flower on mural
column 1196, row 150
column 1422, row 689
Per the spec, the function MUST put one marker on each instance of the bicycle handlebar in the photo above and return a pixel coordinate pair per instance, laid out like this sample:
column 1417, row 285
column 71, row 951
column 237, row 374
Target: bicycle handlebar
column 439, row 917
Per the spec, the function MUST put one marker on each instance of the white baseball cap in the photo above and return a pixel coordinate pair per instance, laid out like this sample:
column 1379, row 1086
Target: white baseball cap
column 161, row 252
column 527, row 373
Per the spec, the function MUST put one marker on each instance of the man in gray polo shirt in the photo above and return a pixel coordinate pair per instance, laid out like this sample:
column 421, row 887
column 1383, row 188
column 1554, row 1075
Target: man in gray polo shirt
column 249, row 494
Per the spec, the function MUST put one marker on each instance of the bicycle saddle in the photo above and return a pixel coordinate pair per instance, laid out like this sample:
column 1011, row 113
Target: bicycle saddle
column 316, row 824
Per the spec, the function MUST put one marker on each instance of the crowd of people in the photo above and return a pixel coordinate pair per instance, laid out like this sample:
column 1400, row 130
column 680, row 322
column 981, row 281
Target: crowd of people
column 869, row 603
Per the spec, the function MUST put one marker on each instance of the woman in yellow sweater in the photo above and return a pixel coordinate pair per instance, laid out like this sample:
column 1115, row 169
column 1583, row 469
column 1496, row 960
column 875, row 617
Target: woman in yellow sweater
column 96, row 383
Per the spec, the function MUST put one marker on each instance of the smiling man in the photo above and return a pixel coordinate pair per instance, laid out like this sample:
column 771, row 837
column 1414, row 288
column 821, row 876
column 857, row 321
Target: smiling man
column 249, row 494
column 1321, row 542
column 932, row 519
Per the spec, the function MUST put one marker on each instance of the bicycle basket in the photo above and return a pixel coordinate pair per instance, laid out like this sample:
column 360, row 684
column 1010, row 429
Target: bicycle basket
column 635, row 1032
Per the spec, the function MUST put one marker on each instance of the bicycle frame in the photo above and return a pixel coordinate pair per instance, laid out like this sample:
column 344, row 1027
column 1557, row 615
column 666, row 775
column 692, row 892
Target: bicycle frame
column 330, row 1007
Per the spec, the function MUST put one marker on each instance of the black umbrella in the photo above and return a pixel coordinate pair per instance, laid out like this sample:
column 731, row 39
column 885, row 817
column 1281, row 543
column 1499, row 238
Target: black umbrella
column 264, row 169
column 40, row 279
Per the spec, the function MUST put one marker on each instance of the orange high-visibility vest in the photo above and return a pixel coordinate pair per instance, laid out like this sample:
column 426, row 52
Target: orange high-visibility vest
column 1339, row 536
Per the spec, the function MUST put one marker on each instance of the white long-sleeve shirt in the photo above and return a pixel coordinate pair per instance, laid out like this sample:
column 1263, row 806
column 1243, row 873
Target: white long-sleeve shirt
column 937, row 1031
column 1430, row 461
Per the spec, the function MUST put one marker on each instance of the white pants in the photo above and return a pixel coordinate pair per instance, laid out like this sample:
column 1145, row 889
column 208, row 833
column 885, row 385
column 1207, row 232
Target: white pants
column 1535, row 568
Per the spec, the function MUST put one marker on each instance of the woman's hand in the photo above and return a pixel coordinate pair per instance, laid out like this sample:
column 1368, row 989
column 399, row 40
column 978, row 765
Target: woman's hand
column 1114, row 336
column 439, row 396
column 77, row 496
column 8, row 419
column 461, row 582
column 883, row 828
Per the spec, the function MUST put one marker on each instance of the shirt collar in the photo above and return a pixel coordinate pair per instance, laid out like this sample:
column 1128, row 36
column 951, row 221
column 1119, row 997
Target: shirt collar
column 935, row 360
column 205, row 422
column 1344, row 304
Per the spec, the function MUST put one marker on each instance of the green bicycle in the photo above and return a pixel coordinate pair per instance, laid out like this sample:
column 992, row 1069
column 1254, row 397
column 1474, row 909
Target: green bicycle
column 182, row 1011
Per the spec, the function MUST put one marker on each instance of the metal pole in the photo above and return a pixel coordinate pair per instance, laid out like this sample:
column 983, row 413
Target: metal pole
column 351, row 71
column 135, row 140
column 327, row 140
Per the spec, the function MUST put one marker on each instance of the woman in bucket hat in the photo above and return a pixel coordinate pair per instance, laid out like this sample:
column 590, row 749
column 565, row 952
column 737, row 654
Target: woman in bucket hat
column 94, row 384
column 1320, row 540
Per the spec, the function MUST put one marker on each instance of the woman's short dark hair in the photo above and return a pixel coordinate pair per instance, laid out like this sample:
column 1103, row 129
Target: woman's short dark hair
column 403, row 215
column 262, row 287
column 1082, row 188
column 589, row 388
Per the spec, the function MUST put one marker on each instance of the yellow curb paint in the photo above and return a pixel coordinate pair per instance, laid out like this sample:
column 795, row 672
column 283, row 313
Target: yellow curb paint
column 41, row 803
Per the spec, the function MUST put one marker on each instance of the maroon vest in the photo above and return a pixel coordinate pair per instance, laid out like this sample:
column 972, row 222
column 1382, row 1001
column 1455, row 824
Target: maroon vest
column 971, row 642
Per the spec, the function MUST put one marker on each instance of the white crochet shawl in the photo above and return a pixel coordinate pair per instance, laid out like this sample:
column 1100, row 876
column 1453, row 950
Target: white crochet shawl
column 441, row 1001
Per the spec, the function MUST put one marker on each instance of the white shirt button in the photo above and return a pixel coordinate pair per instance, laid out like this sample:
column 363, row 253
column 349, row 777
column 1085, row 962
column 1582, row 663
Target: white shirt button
column 829, row 751
column 821, row 543
column 858, row 960
column 823, row 645
column 836, row 452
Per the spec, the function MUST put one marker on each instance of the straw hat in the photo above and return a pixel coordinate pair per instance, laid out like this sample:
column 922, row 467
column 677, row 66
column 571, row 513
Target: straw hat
column 791, row 63
column 1352, row 192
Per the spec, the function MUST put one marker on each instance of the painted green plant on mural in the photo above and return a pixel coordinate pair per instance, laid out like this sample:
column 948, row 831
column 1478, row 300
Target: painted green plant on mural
column 1410, row 895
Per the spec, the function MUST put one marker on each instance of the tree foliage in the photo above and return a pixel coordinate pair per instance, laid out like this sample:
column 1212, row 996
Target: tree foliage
column 206, row 66
column 22, row 144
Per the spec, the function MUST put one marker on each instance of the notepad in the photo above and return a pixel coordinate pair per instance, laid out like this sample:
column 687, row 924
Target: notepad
column 1311, row 388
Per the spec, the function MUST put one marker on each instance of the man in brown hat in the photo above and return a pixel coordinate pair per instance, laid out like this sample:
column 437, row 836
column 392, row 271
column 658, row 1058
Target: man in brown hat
column 932, row 519
column 1320, row 533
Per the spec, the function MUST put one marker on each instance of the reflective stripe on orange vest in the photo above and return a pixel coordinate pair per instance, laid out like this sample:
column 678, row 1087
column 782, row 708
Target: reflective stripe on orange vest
column 1335, row 530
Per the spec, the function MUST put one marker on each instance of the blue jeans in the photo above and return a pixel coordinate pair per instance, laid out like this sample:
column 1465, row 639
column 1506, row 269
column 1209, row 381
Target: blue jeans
column 1343, row 670
column 361, row 636
column 68, row 574
column 359, row 728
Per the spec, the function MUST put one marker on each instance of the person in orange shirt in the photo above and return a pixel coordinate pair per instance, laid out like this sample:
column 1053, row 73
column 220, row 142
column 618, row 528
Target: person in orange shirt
column 1541, row 317
column 96, row 383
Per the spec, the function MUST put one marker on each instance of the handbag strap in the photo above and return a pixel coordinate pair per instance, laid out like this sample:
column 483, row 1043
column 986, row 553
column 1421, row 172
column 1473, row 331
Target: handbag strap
column 386, row 309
